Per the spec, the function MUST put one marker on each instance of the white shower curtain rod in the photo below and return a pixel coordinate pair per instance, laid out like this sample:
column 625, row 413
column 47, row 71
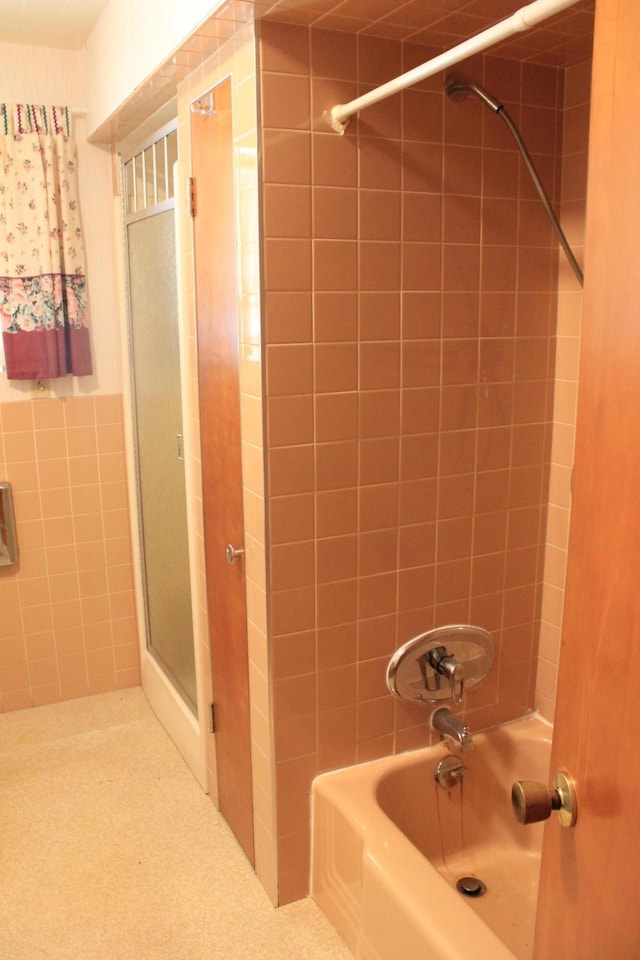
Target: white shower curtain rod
column 529, row 16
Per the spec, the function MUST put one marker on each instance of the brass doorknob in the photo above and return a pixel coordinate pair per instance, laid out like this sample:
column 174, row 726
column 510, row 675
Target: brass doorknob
column 533, row 801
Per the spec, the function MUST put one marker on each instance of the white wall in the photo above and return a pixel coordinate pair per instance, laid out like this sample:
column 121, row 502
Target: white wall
column 46, row 75
column 130, row 40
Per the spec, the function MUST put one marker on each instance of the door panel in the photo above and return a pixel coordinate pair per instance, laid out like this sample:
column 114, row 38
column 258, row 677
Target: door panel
column 158, row 416
column 588, row 904
column 218, row 363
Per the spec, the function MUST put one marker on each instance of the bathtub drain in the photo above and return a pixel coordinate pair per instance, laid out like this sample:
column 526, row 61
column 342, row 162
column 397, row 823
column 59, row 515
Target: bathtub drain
column 471, row 887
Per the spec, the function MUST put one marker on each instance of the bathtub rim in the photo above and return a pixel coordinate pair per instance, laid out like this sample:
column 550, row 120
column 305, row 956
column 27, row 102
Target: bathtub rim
column 382, row 843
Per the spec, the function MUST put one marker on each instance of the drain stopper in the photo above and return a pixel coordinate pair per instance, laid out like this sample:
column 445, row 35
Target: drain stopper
column 471, row 886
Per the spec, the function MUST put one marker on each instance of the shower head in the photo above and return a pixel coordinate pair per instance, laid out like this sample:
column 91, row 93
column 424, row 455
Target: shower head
column 457, row 89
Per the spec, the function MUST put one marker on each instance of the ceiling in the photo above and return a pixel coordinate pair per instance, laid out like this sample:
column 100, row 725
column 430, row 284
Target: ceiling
column 563, row 39
column 65, row 24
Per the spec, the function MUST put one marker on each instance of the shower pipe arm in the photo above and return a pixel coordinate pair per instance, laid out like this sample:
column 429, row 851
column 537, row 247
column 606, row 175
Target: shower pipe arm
column 528, row 16
column 555, row 223
column 455, row 88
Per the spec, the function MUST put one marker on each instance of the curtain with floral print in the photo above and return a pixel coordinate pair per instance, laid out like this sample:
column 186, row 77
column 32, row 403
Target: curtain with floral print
column 43, row 289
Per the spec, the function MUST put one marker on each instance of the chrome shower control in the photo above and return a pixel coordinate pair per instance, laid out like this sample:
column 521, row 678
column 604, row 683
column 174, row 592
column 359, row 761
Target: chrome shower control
column 440, row 664
column 533, row 801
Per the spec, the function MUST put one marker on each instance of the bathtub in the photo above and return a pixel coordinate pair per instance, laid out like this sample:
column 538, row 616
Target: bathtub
column 389, row 845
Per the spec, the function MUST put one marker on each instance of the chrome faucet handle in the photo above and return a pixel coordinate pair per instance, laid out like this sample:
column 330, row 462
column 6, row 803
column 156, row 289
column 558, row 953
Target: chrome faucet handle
column 454, row 672
column 449, row 771
column 447, row 666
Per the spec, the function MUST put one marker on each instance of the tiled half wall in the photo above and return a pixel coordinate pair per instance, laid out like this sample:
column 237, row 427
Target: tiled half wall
column 410, row 283
column 68, row 623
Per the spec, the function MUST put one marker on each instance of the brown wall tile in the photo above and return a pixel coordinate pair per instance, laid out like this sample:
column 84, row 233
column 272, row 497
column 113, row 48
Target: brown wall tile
column 61, row 598
column 426, row 468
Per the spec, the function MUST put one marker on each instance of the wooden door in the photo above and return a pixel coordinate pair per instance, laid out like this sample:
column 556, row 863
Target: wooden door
column 588, row 907
column 217, row 323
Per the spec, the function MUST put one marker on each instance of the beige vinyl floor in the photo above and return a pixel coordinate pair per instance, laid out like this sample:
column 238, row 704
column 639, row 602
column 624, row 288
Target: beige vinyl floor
column 109, row 850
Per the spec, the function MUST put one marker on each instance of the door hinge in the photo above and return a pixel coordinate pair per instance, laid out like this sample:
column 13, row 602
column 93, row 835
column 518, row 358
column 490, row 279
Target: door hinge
column 212, row 717
column 191, row 184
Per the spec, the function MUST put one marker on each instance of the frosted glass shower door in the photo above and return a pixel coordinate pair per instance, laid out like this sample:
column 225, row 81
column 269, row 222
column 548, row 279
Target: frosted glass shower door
column 158, row 420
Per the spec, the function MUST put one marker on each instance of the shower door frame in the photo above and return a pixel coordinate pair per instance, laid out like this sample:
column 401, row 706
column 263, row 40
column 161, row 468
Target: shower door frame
column 188, row 731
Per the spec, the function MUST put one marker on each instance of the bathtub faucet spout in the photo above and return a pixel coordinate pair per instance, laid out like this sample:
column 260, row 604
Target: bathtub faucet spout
column 444, row 722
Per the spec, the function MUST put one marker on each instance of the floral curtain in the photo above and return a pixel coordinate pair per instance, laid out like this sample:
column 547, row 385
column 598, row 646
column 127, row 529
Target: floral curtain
column 43, row 293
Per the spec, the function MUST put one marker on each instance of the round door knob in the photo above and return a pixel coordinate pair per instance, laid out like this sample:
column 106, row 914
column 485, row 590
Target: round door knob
column 232, row 553
column 533, row 801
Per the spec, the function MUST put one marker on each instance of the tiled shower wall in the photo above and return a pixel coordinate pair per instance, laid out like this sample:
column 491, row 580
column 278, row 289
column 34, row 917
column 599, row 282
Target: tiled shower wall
column 575, row 144
column 410, row 303
column 68, row 625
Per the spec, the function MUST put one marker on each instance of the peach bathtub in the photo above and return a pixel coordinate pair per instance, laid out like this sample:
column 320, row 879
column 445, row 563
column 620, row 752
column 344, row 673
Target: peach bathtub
column 390, row 844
